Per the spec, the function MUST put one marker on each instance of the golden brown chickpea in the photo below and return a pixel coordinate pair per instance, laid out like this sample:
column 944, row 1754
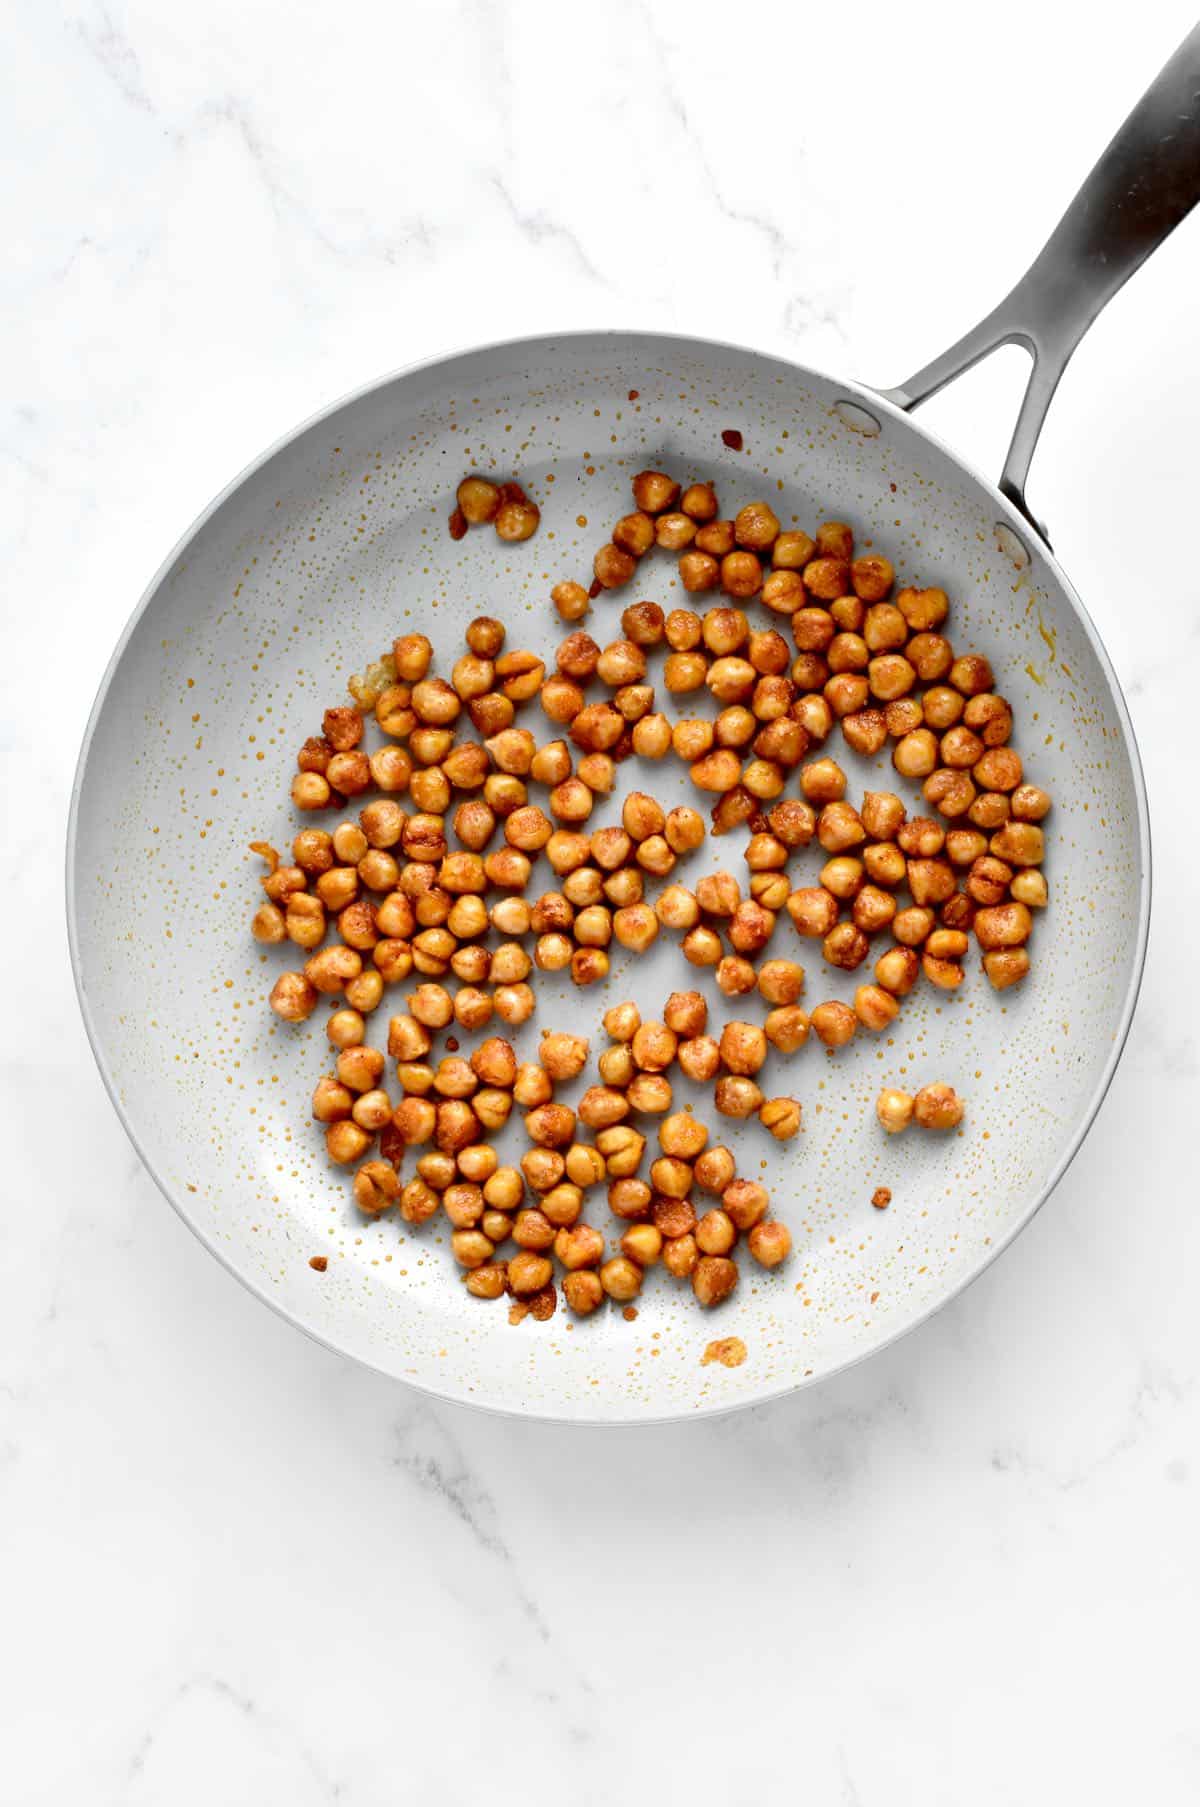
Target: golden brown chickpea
column 1030, row 803
column 414, row 1119
column 700, row 1058
column 751, row 927
column 873, row 909
column 642, row 1243
column 845, row 946
column 786, row 1028
column 684, row 672
column 376, row 1187
column 849, row 652
column 731, row 680
column 463, row 1205
column 875, row 1007
column 346, row 1142
column 418, row 1202
column 310, row 791
column 514, row 1003
column 627, row 1197
column 652, row 737
column 589, row 965
column 562, row 1205
column 674, row 532
column 915, row 754
column 532, row 1085
column 833, row 1023
column 991, row 809
column 622, row 1021
column 972, row 675
column 701, row 946
column 634, row 533
column 542, row 1168
column 691, row 737
column 673, row 1217
column 741, row 575
column 621, row 662
column 489, row 1281
column 457, row 1125
column 528, row 1272
column 1006, row 966
column 827, row 578
column 478, row 499
column 715, row 1232
column 756, row 527
column 783, row 592
column 735, row 1095
column 579, row 1246
column 533, row 1230
column 517, row 517
column 890, row 676
column 331, row 1100
column 1003, row 925
column 680, row 1256
column 846, row 694
column 781, row 981
column 635, row 926
column 1020, row 843
column 770, row 1243
column 1029, row 888
column 735, row 976
column 699, row 571
column 583, row 1292
column 621, row 1279
column 781, row 1118
column 654, row 491
column 571, row 600
column 897, row 971
column 613, row 567
column 293, row 997
column 615, row 1065
column 585, row 1165
column 938, row 1106
column 745, row 1203
column 894, row 1110
column 813, row 910
column 911, row 926
column 713, row 1279
column 965, row 845
column 269, row 926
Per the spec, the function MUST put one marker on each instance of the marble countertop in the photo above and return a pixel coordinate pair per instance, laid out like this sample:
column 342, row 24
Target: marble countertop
column 240, row 1570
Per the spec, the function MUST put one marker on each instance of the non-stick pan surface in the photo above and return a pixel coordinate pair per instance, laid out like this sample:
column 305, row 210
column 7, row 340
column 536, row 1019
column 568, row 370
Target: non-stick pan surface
column 302, row 571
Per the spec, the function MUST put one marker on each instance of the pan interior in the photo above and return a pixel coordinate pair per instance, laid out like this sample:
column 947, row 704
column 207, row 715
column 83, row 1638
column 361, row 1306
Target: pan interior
column 306, row 569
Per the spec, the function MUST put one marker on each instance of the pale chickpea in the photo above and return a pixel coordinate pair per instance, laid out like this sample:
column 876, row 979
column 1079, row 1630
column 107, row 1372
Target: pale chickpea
column 784, row 592
column 780, row 1117
column 736, row 1095
column 843, row 877
column 833, row 1023
column 938, row 1106
column 786, row 1028
column 654, row 491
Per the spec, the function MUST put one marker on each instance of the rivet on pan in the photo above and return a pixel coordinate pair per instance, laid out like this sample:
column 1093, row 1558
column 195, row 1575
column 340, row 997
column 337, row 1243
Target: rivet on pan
column 1012, row 546
column 858, row 420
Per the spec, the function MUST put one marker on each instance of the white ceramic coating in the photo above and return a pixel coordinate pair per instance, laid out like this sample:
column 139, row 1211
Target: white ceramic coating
column 304, row 570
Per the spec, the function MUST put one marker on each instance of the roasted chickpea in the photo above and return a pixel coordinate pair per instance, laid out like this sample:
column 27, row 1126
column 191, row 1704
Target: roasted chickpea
column 911, row 926
column 745, row 1203
column 654, row 491
column 781, row 1118
column 701, row 946
column 613, row 567
column 529, row 1272
column 652, row 737
column 713, row 1279
column 489, row 1281
column 621, row 1279
column 813, row 910
column 513, row 1003
column 741, row 574
column 786, row 1028
column 736, row 1095
column 938, row 1106
column 784, row 592
column 897, row 971
column 894, row 1110
column 735, row 976
column 1006, row 966
column 699, row 1057
column 376, row 1187
column 1029, row 803
column 833, row 1023
column 770, row 1243
column 583, row 1292
column 579, row 1246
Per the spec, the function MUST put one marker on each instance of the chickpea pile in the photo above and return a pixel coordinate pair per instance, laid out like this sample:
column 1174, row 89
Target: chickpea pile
column 505, row 505
column 433, row 880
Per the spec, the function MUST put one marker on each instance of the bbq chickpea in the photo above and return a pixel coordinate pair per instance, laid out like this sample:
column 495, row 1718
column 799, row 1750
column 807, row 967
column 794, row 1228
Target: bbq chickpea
column 938, row 1106
column 915, row 755
column 736, row 1095
column 770, row 1243
column 813, row 911
column 652, row 737
column 715, row 1233
column 699, row 1058
column 583, row 1291
column 293, row 997
column 701, row 946
column 680, row 1255
column 786, row 1028
column 529, row 1272
column 714, row 1277
column 621, row 1279
column 1030, row 803
column 578, row 1247
column 741, row 574
column 654, row 491
column 897, row 971
column 833, row 1023
column 780, row 1117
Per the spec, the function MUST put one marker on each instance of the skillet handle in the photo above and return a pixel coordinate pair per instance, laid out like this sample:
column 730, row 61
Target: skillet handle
column 1144, row 184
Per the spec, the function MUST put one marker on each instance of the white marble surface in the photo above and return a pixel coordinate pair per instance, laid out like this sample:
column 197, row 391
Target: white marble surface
column 238, row 1570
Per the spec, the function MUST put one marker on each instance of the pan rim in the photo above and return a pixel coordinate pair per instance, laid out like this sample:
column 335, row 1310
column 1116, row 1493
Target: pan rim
column 1007, row 512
